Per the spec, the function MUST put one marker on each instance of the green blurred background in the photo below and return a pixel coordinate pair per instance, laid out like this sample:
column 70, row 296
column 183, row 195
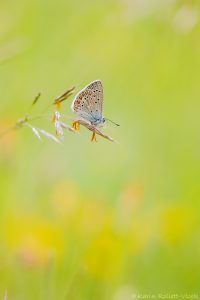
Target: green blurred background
column 101, row 220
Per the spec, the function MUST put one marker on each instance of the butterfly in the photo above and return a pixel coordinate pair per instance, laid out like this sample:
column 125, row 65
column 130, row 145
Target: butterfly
column 88, row 103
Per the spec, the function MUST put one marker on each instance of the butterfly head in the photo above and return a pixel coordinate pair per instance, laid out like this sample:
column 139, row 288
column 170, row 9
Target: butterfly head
column 98, row 121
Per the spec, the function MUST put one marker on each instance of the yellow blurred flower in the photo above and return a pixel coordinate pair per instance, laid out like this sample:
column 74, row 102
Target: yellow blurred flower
column 65, row 198
column 178, row 223
column 7, row 135
column 96, row 212
column 34, row 240
column 105, row 255
column 129, row 201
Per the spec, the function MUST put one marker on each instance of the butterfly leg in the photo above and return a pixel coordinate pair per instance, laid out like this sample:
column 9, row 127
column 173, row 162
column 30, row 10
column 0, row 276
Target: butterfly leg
column 94, row 139
column 76, row 125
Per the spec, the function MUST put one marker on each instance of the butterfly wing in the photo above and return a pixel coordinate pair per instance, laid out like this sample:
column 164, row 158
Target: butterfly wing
column 88, row 103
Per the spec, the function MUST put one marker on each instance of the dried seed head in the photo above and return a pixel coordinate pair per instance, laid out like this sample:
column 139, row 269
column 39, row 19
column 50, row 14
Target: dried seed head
column 49, row 136
column 64, row 96
column 36, row 98
column 65, row 126
column 59, row 130
column 36, row 132
column 56, row 116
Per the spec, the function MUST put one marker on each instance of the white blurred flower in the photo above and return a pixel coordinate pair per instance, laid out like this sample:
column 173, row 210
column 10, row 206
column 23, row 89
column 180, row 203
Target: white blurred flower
column 185, row 19
column 137, row 9
column 125, row 292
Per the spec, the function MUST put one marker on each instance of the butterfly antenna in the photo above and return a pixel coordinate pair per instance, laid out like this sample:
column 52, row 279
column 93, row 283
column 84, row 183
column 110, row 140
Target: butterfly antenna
column 112, row 122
